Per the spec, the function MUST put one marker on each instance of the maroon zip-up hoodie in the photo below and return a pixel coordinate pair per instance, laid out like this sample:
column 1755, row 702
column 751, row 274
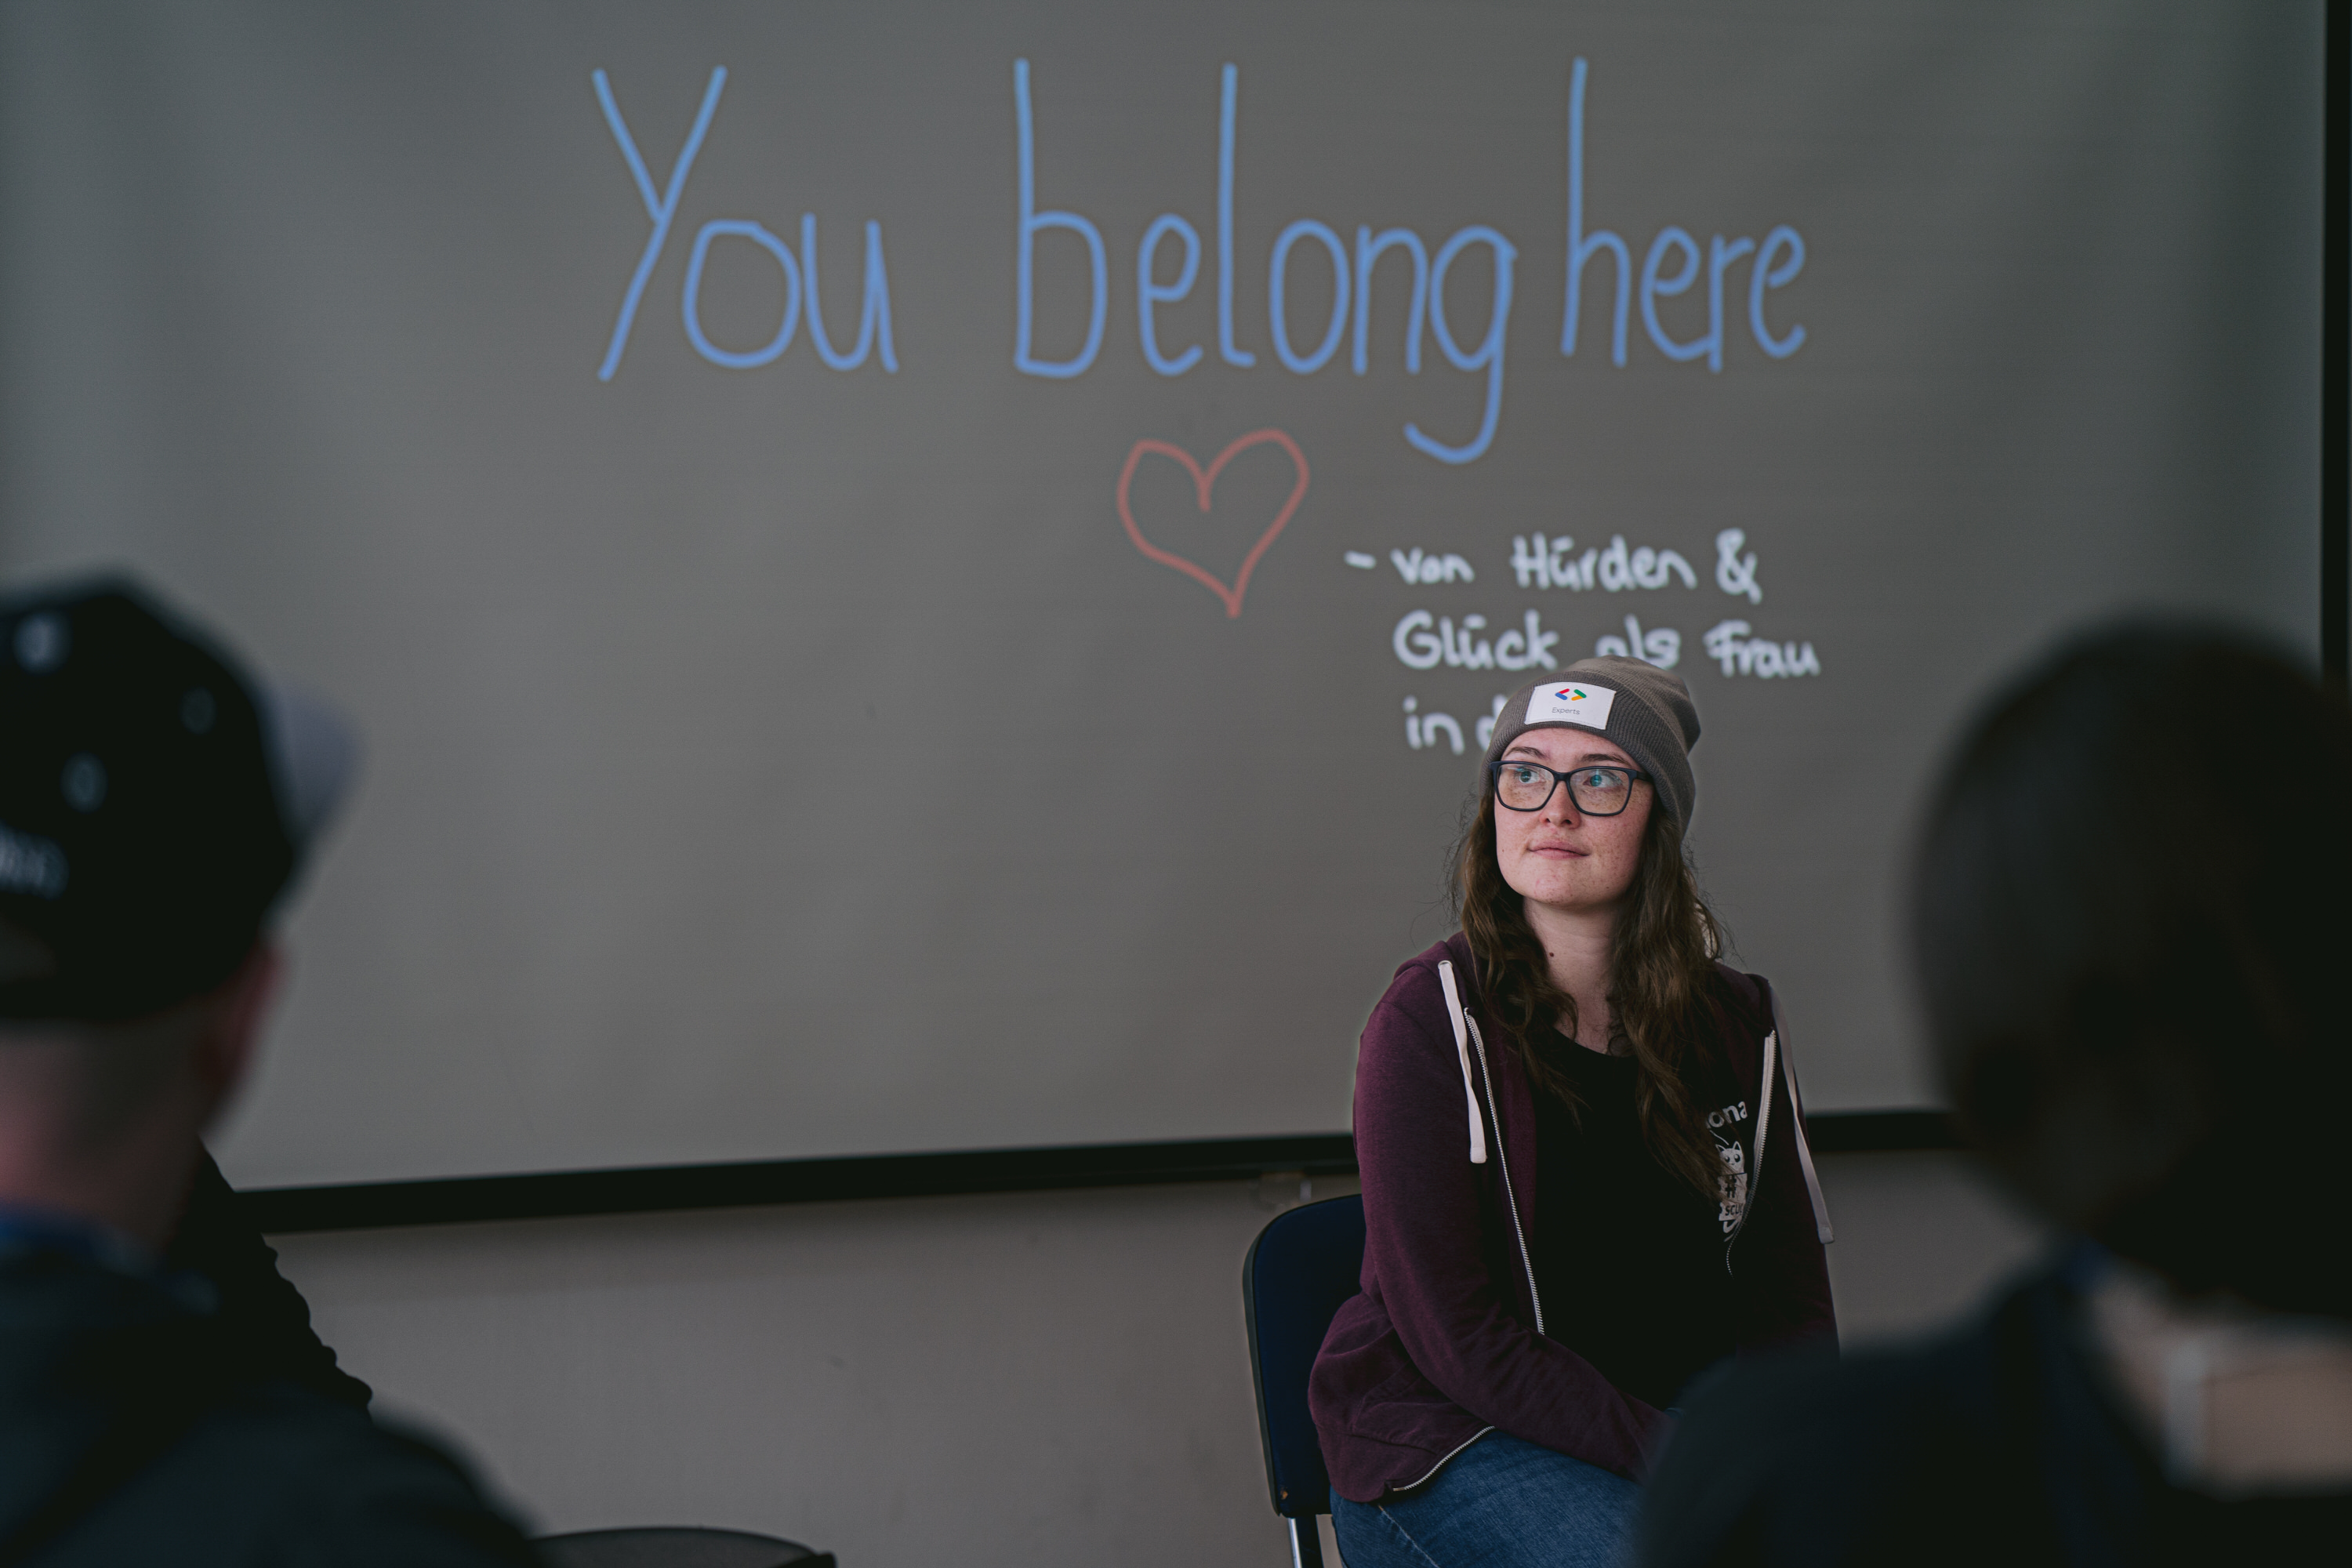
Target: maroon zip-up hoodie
column 1442, row 1345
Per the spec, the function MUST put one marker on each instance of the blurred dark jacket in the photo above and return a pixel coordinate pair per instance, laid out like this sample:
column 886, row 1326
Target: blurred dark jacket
column 262, row 1317
column 164, row 1415
column 1997, row 1442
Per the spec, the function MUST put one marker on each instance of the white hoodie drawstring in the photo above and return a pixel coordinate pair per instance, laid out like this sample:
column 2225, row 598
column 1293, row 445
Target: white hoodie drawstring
column 1462, row 1048
column 1797, row 1123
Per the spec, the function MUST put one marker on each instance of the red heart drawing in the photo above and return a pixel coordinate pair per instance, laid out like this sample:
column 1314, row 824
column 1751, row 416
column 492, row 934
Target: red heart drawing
column 1204, row 480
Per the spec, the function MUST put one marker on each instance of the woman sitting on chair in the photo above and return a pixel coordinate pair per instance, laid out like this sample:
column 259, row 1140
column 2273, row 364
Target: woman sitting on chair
column 1585, row 1177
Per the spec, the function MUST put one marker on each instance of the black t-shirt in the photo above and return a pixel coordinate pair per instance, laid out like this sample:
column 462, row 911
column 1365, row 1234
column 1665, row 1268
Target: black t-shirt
column 1629, row 1256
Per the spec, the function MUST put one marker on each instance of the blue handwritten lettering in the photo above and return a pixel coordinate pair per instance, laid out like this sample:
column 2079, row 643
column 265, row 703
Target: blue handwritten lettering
column 662, row 207
column 690, row 303
column 1276, row 285
column 1718, row 257
column 1669, row 238
column 1582, row 246
column 873, row 320
column 1227, row 104
column 1369, row 247
column 1032, row 221
column 1489, row 353
column 1766, row 275
column 1149, row 293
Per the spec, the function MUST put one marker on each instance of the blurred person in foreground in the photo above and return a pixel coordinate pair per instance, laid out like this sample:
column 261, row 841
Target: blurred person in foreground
column 2130, row 915
column 163, row 1398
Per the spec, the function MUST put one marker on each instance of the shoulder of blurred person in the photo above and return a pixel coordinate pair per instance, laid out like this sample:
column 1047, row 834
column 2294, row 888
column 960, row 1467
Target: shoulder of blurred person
column 133, row 1427
column 2000, row 1440
column 265, row 1318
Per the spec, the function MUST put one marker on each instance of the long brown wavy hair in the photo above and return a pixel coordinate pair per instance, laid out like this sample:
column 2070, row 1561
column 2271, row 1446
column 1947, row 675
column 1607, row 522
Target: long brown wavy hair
column 1666, row 941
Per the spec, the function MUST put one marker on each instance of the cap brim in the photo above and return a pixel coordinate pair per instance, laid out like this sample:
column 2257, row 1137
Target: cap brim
column 314, row 755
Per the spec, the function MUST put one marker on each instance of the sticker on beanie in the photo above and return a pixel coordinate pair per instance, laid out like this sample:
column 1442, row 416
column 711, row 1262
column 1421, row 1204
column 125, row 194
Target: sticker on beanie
column 1571, row 704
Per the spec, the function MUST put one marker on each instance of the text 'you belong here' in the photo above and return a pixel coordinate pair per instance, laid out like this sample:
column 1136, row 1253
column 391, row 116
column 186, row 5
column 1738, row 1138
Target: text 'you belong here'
column 1168, row 260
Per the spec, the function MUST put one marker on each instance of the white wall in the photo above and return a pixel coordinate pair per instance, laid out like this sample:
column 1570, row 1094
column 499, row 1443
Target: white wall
column 1047, row 1379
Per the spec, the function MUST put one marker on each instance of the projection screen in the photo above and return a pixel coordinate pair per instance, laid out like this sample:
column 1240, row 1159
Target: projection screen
column 924, row 576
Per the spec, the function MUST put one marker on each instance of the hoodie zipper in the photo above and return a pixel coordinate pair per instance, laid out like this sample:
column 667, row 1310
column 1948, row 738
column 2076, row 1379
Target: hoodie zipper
column 1446, row 1460
column 1527, row 1261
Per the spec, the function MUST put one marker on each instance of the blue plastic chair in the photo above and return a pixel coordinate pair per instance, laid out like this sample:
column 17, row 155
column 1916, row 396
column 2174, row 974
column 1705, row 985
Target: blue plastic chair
column 1300, row 1268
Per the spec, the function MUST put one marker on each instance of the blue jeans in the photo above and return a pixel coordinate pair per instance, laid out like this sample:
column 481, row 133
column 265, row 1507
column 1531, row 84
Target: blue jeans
column 1500, row 1503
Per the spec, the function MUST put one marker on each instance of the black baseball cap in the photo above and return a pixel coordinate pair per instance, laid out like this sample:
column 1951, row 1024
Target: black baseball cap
column 156, row 801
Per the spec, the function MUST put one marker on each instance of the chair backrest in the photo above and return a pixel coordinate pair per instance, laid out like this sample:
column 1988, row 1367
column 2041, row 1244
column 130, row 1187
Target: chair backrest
column 1302, row 1266
column 683, row 1546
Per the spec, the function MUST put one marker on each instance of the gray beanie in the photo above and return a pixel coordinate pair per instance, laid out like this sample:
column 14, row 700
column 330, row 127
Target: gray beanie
column 1646, row 710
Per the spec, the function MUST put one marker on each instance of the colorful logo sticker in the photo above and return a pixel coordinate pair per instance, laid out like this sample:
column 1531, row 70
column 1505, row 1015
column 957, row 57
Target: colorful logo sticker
column 1585, row 706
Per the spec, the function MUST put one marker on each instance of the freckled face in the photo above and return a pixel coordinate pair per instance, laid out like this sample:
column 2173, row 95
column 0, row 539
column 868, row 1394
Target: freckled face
column 1558, row 856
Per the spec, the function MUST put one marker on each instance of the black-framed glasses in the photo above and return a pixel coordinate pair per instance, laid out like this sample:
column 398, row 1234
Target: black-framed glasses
column 1596, row 790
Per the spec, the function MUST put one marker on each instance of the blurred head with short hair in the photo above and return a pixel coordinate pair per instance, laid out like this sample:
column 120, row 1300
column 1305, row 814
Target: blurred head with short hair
column 2131, row 912
column 155, row 803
